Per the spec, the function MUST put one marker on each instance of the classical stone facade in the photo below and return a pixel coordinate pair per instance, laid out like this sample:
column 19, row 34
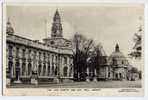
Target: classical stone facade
column 31, row 61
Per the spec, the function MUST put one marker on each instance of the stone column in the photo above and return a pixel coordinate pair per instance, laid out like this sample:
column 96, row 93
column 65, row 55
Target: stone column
column 31, row 67
column 13, row 68
column 46, row 68
column 26, row 56
column 60, row 65
column 46, row 63
column 34, row 76
column 56, row 79
column 68, row 66
column 88, row 78
column 8, row 76
column 54, row 64
column 50, row 59
column 37, row 67
column 95, row 77
column 42, row 64
column 21, row 62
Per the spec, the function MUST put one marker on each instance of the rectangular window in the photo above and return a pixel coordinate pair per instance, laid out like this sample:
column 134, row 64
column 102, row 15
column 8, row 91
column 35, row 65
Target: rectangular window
column 29, row 54
column 17, row 52
column 23, row 53
column 65, row 60
column 10, row 50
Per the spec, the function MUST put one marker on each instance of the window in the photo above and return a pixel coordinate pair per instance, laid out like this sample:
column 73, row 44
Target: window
column 114, row 61
column 56, row 60
column 23, row 53
column 29, row 69
column 39, row 70
column 70, row 72
column 52, row 63
column 44, row 70
column 65, row 60
column 17, row 52
column 109, row 74
column 29, row 54
column 48, row 68
column 122, row 62
column 52, row 42
column 56, row 71
column 10, row 50
column 65, row 71
column 23, row 68
column 10, row 65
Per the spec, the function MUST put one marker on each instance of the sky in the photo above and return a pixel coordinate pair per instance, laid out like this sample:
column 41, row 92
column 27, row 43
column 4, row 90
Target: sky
column 107, row 24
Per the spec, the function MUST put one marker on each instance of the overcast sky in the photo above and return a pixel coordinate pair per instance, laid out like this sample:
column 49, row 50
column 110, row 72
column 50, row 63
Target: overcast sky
column 108, row 24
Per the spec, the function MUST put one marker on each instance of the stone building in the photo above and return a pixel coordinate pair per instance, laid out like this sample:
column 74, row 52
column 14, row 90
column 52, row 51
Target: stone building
column 31, row 61
column 119, row 64
column 113, row 67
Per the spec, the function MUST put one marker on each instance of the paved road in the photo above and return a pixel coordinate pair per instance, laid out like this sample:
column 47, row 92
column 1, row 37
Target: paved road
column 100, row 84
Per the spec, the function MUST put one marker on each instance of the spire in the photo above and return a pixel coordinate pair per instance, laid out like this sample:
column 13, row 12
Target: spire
column 9, row 28
column 56, row 25
column 117, row 48
column 56, row 15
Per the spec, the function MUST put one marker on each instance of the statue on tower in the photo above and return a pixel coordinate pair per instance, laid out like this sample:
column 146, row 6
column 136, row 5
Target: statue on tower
column 9, row 28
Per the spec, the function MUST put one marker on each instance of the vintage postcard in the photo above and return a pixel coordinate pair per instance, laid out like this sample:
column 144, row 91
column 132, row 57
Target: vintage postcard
column 73, row 49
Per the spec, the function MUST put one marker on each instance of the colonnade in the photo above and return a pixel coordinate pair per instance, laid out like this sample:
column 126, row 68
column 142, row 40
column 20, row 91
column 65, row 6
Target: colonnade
column 23, row 61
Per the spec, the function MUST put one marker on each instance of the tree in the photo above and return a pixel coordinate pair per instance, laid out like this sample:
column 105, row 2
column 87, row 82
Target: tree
column 136, row 53
column 82, row 48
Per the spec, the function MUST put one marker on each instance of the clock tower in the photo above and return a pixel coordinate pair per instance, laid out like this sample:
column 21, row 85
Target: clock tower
column 56, row 30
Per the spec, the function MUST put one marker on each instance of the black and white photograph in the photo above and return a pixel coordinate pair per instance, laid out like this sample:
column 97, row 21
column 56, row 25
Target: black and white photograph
column 73, row 46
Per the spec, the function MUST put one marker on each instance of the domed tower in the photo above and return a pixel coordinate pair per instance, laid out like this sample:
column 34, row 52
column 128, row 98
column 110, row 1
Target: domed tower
column 9, row 28
column 119, row 64
column 56, row 30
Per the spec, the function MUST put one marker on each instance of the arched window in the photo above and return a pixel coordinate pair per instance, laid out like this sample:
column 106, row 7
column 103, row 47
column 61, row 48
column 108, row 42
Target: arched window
column 56, row 71
column 120, row 75
column 29, row 69
column 44, row 70
column 116, row 75
column 65, row 71
column 109, row 74
column 23, row 68
column 122, row 62
column 39, row 69
column 10, row 65
column 48, row 68
column 70, row 72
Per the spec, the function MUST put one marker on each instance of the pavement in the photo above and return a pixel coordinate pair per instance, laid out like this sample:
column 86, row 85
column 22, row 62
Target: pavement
column 99, row 84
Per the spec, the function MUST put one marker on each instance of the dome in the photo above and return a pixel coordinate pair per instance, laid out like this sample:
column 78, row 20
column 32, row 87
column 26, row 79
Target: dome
column 117, row 58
